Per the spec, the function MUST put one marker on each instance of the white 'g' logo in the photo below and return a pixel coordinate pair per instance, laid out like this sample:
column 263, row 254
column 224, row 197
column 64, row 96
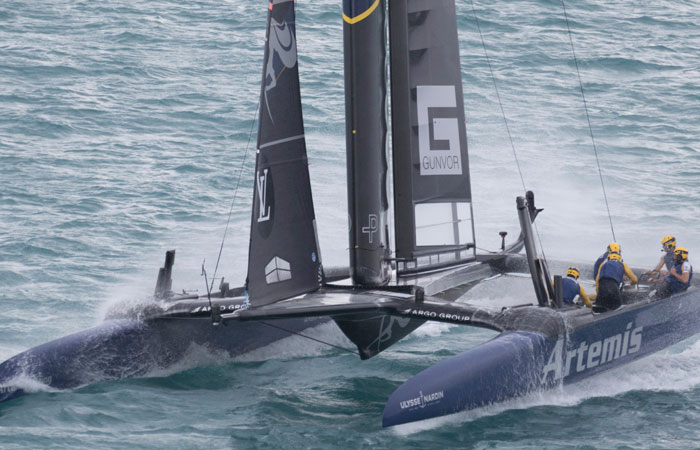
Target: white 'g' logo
column 438, row 161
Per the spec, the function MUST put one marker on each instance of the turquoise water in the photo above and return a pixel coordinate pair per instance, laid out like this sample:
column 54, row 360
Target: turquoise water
column 123, row 127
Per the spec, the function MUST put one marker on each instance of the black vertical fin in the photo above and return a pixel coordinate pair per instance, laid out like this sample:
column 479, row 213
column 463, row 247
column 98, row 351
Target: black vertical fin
column 283, row 259
column 164, row 284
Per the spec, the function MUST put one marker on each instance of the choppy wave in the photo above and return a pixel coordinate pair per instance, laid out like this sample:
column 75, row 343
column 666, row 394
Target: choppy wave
column 123, row 129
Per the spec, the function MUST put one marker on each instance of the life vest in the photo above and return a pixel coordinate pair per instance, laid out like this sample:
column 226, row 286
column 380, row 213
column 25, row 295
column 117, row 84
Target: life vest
column 613, row 269
column 669, row 260
column 674, row 283
column 598, row 262
column 570, row 289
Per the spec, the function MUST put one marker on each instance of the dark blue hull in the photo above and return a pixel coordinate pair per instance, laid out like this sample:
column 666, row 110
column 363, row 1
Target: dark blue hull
column 516, row 363
column 131, row 348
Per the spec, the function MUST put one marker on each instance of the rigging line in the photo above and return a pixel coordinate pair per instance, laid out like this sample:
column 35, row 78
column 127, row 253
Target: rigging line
column 206, row 284
column 505, row 120
column 495, row 85
column 235, row 191
column 311, row 338
column 590, row 128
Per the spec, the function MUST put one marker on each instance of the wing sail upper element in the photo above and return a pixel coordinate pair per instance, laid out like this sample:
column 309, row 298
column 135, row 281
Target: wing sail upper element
column 283, row 259
column 432, row 192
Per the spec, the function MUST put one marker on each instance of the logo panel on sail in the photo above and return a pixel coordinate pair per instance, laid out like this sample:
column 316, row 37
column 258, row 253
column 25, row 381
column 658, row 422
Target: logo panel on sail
column 283, row 54
column 277, row 270
column 264, row 205
column 438, row 137
column 264, row 209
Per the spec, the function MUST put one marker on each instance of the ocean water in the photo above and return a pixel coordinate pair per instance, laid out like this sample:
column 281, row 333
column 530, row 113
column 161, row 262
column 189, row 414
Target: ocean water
column 124, row 129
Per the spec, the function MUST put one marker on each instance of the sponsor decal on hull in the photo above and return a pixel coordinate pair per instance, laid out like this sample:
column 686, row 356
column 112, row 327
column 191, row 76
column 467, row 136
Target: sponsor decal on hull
column 206, row 309
column 564, row 362
column 438, row 315
column 422, row 400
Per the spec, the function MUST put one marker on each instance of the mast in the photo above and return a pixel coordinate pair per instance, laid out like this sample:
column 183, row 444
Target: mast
column 366, row 134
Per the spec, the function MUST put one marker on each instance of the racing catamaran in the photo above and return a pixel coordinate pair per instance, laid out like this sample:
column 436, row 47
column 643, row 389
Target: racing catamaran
column 539, row 346
column 435, row 252
column 388, row 294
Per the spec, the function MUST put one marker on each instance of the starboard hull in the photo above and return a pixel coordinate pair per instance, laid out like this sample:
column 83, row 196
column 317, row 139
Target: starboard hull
column 516, row 363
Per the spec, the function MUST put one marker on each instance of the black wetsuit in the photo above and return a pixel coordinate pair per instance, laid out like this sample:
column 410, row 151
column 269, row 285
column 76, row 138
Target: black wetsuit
column 609, row 280
column 609, row 295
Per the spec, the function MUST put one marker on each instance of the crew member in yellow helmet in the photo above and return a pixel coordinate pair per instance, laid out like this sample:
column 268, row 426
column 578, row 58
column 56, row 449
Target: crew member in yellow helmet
column 613, row 247
column 609, row 279
column 668, row 245
column 678, row 278
column 571, row 288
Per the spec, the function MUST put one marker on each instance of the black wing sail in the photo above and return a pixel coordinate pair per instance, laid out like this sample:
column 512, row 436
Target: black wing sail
column 431, row 174
column 283, row 259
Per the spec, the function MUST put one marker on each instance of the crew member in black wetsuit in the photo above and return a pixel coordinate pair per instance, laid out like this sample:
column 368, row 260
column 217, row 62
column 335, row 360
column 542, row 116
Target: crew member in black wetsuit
column 571, row 288
column 613, row 247
column 668, row 245
column 678, row 278
column 609, row 279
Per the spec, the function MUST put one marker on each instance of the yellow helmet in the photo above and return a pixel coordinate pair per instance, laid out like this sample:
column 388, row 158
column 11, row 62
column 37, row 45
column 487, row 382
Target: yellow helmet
column 614, row 247
column 573, row 272
column 681, row 253
column 668, row 241
column 615, row 256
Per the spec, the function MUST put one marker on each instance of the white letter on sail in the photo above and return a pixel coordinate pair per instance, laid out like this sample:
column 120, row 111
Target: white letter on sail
column 264, row 211
column 433, row 161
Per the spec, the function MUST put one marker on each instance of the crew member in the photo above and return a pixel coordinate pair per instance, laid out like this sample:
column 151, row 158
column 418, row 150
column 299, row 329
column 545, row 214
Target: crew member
column 613, row 247
column 571, row 288
column 609, row 279
column 668, row 245
column 678, row 278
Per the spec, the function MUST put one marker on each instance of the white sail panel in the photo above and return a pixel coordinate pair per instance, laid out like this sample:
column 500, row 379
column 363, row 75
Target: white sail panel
column 443, row 224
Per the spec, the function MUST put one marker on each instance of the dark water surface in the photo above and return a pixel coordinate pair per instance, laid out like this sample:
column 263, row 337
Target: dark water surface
column 123, row 127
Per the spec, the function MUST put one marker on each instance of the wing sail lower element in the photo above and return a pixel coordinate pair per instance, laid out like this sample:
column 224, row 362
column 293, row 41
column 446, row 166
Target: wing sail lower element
column 283, row 259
